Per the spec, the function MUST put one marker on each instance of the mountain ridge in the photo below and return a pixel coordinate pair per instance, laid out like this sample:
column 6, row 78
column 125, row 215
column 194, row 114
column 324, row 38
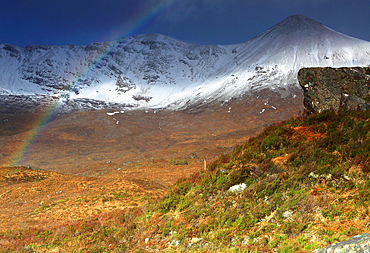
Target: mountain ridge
column 157, row 71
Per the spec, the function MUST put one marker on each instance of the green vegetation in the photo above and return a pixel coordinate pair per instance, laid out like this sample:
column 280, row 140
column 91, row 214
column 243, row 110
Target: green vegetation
column 299, row 175
column 307, row 186
column 178, row 161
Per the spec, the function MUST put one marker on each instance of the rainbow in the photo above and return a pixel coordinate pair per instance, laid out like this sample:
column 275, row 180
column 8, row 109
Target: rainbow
column 140, row 20
column 39, row 126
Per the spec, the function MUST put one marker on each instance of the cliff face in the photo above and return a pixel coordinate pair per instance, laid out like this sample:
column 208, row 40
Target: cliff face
column 329, row 88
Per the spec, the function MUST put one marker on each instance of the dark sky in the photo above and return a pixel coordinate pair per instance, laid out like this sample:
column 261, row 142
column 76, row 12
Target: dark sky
column 55, row 22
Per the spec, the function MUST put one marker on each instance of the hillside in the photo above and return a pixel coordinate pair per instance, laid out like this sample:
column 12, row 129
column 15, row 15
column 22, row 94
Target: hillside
column 80, row 142
column 300, row 185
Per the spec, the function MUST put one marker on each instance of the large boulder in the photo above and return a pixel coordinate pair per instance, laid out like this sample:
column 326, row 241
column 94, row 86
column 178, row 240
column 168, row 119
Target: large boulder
column 358, row 243
column 335, row 88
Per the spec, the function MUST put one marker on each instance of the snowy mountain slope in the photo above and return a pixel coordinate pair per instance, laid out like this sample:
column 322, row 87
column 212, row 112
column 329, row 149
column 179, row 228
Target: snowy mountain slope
column 157, row 71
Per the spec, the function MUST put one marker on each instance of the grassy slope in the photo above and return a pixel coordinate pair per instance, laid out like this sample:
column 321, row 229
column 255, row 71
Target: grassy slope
column 307, row 186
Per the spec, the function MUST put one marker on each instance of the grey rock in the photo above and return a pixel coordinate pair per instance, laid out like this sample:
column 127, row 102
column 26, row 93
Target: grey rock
column 358, row 243
column 330, row 88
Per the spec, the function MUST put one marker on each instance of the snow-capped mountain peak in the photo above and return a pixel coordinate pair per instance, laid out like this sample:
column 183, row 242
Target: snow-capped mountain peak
column 154, row 70
column 297, row 25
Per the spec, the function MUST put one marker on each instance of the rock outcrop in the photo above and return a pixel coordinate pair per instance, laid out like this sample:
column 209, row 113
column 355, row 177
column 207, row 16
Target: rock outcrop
column 358, row 243
column 335, row 88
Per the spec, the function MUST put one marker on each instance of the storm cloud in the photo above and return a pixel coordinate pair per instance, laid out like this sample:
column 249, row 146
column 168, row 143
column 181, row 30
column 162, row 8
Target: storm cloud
column 41, row 22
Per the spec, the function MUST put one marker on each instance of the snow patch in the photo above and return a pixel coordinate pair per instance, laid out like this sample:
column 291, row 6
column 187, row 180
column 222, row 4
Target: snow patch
column 113, row 113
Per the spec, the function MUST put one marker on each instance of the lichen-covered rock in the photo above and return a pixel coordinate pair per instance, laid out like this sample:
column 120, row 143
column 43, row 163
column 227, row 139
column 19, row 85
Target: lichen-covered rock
column 358, row 243
column 329, row 88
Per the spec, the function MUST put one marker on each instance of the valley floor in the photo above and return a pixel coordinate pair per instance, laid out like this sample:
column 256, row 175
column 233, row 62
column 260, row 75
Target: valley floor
column 97, row 167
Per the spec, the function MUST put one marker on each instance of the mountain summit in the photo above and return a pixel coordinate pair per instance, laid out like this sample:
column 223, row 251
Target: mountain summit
column 155, row 71
column 297, row 24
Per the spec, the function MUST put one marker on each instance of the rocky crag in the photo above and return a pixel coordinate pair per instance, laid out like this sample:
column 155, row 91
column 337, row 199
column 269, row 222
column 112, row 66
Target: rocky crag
column 359, row 243
column 335, row 88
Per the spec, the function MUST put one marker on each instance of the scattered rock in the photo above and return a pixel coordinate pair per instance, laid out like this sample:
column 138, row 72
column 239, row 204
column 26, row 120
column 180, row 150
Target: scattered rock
column 224, row 171
column 175, row 243
column 238, row 187
column 27, row 249
column 288, row 214
column 193, row 155
column 195, row 240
